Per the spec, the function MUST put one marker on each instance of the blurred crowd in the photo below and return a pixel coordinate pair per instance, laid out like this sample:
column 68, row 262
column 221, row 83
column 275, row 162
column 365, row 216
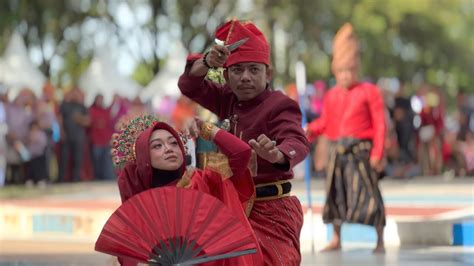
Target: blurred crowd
column 423, row 137
column 50, row 139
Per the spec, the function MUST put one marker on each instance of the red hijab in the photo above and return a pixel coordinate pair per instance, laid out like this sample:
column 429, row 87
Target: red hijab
column 136, row 176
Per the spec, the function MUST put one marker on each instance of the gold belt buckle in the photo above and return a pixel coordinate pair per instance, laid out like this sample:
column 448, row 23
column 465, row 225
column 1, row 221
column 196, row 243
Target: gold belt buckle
column 280, row 189
column 279, row 186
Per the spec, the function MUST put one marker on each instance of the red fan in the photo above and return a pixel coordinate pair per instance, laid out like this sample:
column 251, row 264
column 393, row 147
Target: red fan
column 172, row 225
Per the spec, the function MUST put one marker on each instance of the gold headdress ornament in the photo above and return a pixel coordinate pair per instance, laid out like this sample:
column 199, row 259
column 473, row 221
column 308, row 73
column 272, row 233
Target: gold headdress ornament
column 123, row 143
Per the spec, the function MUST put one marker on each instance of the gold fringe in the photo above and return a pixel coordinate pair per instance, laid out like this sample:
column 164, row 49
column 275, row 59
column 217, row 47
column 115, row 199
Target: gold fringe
column 185, row 181
column 216, row 162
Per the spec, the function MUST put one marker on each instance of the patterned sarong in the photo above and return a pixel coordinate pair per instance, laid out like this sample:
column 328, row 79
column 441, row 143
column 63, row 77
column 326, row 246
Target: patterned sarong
column 353, row 195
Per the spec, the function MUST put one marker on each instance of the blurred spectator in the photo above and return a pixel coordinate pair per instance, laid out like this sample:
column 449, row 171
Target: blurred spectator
column 101, row 130
column 136, row 108
column 430, row 132
column 184, row 109
column 465, row 142
column 19, row 117
column 403, row 119
column 118, row 109
column 317, row 99
column 292, row 92
column 46, row 110
column 74, row 120
column 36, row 144
column 465, row 114
column 3, row 132
column 468, row 150
column 164, row 108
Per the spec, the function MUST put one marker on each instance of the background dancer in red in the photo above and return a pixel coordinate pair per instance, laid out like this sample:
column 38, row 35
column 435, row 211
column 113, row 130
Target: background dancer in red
column 354, row 114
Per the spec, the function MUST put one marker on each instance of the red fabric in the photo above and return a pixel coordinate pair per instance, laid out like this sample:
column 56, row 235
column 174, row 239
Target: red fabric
column 364, row 116
column 235, row 152
column 101, row 127
column 328, row 123
column 432, row 116
column 211, row 182
column 136, row 177
column 255, row 49
column 270, row 113
column 357, row 112
column 277, row 224
column 130, row 232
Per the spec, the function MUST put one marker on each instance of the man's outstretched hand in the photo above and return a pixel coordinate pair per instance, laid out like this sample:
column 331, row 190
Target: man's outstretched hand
column 267, row 149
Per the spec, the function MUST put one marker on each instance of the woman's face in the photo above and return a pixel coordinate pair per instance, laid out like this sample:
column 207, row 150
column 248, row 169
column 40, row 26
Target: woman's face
column 165, row 153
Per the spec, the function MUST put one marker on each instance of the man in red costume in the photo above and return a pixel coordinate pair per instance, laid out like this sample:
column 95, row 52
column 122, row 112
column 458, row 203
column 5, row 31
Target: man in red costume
column 353, row 114
column 268, row 120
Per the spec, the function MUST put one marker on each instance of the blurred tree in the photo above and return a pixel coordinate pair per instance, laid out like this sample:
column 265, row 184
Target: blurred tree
column 399, row 38
column 404, row 38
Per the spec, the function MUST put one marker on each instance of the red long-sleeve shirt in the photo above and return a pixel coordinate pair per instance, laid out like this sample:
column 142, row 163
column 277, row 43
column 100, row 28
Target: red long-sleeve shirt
column 328, row 123
column 357, row 112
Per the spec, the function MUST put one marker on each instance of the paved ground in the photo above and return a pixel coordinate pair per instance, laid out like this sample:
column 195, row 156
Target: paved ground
column 423, row 198
column 52, row 254
column 414, row 256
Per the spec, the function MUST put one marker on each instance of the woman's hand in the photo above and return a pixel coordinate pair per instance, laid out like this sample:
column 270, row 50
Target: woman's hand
column 195, row 127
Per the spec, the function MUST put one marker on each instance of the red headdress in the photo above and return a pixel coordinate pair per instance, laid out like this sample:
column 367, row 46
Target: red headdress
column 255, row 49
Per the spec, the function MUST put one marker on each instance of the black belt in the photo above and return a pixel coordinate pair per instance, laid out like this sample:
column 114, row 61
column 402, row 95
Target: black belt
column 273, row 190
column 347, row 145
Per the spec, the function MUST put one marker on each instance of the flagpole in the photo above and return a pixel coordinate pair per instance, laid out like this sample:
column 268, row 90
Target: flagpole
column 301, row 87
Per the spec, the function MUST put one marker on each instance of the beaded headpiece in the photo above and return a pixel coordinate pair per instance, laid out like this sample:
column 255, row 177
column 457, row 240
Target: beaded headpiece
column 123, row 143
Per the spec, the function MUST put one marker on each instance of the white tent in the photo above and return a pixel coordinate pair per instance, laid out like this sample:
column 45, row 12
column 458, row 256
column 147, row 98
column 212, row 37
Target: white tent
column 17, row 71
column 102, row 77
column 165, row 82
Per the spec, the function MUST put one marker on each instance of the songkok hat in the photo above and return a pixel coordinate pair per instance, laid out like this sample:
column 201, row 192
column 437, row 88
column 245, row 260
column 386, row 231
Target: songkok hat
column 255, row 49
column 345, row 48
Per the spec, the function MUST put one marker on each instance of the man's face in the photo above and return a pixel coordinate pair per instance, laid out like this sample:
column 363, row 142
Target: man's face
column 247, row 80
column 345, row 77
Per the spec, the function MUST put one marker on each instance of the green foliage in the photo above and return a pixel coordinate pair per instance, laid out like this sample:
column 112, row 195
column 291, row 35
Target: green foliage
column 143, row 74
column 403, row 38
column 216, row 75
